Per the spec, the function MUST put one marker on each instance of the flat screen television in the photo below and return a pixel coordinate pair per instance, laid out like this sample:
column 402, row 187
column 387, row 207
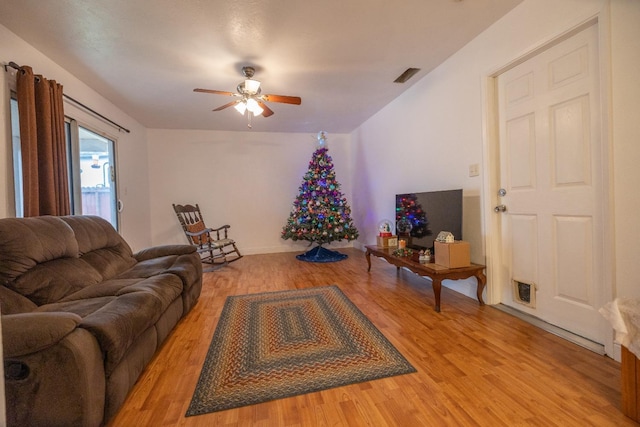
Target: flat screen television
column 429, row 213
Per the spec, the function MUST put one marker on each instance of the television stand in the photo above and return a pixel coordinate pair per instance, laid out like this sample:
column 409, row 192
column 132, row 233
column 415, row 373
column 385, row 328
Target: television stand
column 437, row 273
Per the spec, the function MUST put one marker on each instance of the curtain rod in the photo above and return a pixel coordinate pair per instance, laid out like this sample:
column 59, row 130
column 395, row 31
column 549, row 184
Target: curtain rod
column 78, row 103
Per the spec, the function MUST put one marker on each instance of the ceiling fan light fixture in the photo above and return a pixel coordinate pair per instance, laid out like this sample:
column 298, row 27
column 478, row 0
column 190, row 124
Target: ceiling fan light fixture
column 240, row 107
column 251, row 86
column 254, row 107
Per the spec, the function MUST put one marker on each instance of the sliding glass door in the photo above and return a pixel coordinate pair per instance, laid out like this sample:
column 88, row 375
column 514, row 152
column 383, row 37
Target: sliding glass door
column 93, row 176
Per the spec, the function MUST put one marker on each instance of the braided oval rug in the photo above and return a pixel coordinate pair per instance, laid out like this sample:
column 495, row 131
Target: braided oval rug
column 273, row 345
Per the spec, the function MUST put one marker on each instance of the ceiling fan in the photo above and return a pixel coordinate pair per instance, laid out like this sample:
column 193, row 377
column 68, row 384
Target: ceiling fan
column 250, row 100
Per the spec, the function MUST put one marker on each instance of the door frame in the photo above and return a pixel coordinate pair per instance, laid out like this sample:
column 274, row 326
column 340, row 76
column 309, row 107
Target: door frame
column 491, row 163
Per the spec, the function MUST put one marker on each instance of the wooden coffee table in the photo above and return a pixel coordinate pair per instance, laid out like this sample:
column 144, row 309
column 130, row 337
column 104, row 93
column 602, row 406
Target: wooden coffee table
column 437, row 273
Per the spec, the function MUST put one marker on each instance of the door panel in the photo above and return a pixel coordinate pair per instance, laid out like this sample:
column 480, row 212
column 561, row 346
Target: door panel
column 570, row 142
column 521, row 152
column 569, row 67
column 524, row 243
column 573, row 262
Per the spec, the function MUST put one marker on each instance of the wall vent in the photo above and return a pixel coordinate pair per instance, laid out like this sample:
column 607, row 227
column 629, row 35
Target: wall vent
column 408, row 73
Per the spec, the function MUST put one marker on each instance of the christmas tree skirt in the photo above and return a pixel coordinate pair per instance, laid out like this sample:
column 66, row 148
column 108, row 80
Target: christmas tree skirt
column 320, row 254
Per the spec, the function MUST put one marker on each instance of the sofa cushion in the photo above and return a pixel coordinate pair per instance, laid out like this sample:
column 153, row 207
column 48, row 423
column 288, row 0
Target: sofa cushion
column 117, row 320
column 94, row 232
column 53, row 280
column 12, row 302
column 100, row 245
column 109, row 262
column 118, row 324
column 82, row 308
column 26, row 242
column 103, row 289
column 187, row 267
column 163, row 250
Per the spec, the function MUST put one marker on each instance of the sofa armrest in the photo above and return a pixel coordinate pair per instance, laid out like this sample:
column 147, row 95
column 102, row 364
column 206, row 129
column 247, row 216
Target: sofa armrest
column 27, row 333
column 164, row 250
column 53, row 371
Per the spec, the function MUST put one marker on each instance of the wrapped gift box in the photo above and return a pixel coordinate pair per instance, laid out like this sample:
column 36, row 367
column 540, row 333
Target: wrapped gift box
column 387, row 241
column 453, row 255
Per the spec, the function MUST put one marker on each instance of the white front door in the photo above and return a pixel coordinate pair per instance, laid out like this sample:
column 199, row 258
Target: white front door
column 552, row 173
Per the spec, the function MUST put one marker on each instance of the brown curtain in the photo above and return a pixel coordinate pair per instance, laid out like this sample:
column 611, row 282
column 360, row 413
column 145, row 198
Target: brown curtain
column 44, row 158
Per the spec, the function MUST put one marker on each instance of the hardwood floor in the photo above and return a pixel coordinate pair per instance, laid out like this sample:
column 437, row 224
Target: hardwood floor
column 477, row 366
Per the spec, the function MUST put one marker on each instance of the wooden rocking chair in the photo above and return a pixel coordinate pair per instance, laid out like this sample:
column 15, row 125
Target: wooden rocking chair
column 213, row 244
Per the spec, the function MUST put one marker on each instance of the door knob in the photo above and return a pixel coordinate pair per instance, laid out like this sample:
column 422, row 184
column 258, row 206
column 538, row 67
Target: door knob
column 500, row 208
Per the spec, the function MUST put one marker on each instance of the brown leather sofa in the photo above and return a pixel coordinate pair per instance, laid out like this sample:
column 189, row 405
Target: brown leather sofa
column 82, row 315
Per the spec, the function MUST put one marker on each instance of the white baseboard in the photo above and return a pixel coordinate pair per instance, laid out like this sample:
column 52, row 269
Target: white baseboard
column 617, row 352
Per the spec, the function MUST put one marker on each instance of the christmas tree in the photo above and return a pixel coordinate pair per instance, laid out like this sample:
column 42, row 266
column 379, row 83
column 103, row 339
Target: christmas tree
column 320, row 213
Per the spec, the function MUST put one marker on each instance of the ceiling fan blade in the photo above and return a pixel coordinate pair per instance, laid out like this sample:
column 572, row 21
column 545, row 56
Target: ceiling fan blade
column 281, row 98
column 232, row 103
column 216, row 92
column 267, row 111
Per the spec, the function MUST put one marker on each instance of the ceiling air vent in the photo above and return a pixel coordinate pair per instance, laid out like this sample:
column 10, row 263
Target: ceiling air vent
column 408, row 73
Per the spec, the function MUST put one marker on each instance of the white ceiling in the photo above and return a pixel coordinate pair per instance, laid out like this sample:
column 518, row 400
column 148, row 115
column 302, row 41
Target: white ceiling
column 339, row 56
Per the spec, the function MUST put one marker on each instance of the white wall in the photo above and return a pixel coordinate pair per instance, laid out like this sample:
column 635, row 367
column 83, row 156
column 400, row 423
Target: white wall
column 427, row 138
column 625, row 73
column 248, row 180
column 133, row 176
